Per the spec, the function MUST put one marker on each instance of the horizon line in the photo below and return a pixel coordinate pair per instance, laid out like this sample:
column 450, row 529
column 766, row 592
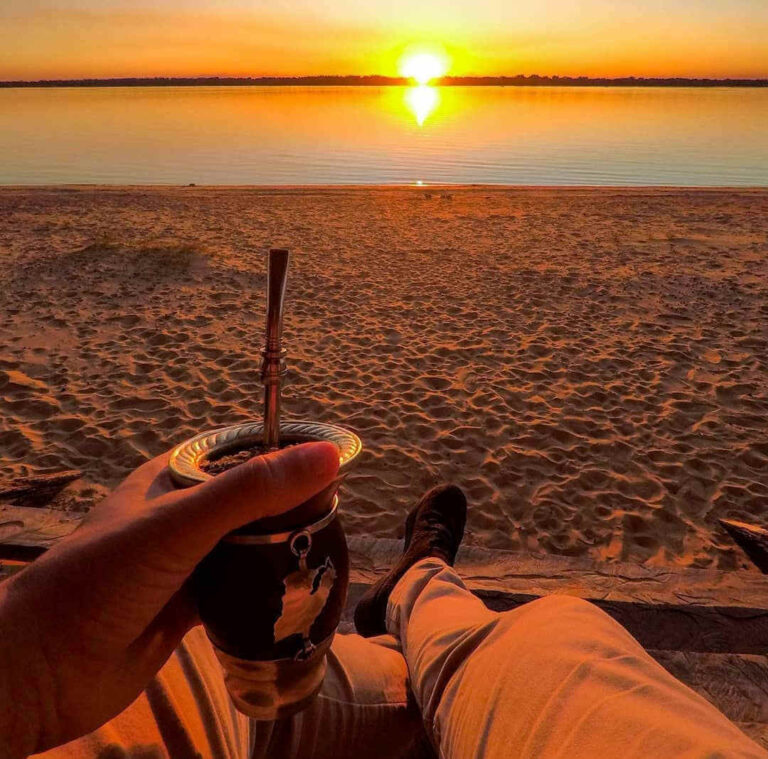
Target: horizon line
column 382, row 80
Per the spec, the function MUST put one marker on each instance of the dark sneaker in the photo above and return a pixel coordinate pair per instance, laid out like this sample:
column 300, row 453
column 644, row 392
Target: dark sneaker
column 434, row 528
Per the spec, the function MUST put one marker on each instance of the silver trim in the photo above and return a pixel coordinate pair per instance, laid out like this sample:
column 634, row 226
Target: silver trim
column 284, row 537
column 252, row 663
column 187, row 457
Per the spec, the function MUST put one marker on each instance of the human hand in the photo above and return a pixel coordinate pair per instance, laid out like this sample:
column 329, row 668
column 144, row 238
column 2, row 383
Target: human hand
column 85, row 628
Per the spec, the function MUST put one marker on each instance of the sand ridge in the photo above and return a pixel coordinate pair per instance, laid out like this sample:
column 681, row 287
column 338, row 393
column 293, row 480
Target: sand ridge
column 590, row 365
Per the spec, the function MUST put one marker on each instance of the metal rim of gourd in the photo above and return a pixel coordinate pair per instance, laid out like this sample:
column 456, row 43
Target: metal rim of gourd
column 187, row 458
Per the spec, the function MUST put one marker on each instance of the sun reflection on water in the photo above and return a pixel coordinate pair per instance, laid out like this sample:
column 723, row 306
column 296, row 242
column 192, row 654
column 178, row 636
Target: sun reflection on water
column 421, row 101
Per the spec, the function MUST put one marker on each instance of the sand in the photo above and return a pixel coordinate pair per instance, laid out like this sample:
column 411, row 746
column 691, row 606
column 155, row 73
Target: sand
column 590, row 365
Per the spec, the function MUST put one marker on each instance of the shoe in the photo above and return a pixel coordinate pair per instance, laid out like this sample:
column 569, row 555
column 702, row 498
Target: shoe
column 434, row 528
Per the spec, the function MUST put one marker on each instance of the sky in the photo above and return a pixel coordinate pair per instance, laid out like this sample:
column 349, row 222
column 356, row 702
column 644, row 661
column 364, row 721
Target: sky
column 110, row 38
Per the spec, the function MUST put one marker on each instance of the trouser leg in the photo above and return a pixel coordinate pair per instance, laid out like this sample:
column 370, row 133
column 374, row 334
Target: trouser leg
column 184, row 712
column 554, row 678
column 365, row 710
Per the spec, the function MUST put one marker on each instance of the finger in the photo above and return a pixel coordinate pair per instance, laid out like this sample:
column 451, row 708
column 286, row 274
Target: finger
column 263, row 486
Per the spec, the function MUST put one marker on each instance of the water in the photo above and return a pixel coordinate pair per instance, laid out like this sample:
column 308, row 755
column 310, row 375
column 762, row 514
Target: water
column 346, row 135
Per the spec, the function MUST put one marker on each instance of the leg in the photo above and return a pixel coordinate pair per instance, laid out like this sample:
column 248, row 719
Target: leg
column 365, row 708
column 184, row 712
column 556, row 677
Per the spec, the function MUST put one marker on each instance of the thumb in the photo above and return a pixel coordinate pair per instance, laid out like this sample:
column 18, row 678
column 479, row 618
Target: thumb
column 261, row 487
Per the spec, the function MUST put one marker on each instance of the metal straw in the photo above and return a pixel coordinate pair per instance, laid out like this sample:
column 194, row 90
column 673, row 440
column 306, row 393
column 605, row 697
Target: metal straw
column 273, row 365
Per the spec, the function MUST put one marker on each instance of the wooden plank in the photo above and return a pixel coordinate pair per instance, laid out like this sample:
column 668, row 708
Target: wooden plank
column 675, row 627
column 737, row 684
column 753, row 540
column 37, row 490
column 665, row 609
column 683, row 610
column 757, row 731
column 8, row 568
column 539, row 575
column 27, row 532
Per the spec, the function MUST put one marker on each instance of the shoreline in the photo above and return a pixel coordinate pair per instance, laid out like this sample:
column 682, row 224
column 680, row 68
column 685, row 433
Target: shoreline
column 341, row 188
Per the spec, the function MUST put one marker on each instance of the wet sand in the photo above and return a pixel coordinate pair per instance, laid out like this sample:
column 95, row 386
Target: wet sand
column 591, row 365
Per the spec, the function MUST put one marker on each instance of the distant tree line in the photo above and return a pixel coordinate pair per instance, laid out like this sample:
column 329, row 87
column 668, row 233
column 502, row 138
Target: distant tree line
column 533, row 80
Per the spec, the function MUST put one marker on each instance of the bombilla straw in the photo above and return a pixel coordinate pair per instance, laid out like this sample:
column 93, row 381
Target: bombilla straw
column 273, row 365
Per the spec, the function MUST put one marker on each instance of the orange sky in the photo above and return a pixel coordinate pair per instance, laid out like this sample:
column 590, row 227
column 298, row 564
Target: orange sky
column 105, row 38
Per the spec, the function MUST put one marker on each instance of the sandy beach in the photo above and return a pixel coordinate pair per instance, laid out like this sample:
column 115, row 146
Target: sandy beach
column 590, row 365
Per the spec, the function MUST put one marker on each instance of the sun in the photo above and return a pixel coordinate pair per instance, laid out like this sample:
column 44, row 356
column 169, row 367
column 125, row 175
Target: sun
column 423, row 67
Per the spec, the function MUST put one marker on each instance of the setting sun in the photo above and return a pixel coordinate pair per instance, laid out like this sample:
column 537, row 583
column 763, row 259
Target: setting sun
column 423, row 67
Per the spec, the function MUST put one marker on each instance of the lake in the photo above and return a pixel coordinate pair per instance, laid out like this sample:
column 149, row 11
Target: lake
column 392, row 135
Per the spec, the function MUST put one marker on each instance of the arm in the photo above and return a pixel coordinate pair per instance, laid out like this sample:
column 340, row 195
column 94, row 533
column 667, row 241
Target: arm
column 85, row 628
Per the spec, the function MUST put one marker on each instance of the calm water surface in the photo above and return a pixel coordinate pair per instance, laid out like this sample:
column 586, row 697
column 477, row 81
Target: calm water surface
column 348, row 135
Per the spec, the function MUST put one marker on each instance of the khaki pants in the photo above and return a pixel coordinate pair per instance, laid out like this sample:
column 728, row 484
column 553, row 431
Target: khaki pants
column 554, row 678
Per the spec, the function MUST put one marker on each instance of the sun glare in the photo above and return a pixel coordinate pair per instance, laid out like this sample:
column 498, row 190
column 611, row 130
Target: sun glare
column 422, row 101
column 423, row 67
